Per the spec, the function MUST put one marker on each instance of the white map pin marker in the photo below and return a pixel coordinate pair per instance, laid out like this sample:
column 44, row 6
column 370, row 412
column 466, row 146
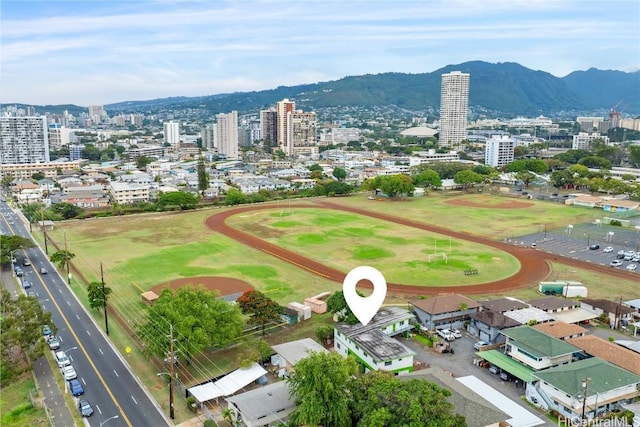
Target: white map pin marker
column 364, row 308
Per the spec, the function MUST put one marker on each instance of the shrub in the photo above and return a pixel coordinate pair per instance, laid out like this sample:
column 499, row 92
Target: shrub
column 192, row 404
column 210, row 423
column 615, row 222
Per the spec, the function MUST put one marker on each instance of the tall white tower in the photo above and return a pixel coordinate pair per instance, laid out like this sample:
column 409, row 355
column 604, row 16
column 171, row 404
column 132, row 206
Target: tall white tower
column 24, row 140
column 454, row 108
column 227, row 134
column 285, row 109
column 172, row 133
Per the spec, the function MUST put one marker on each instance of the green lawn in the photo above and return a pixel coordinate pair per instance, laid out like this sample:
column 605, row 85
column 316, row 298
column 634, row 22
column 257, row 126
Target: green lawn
column 16, row 409
column 403, row 254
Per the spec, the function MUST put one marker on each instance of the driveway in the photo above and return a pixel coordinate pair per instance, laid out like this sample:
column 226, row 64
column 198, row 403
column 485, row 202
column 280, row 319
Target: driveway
column 460, row 364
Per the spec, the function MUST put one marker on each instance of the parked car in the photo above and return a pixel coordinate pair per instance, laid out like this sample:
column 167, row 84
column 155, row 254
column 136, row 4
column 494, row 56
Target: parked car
column 456, row 333
column 446, row 334
column 494, row 369
column 480, row 344
column 616, row 263
column 594, row 246
column 607, row 249
column 620, row 255
column 68, row 372
column 85, row 408
column 76, row 388
column 631, row 267
column 504, row 376
column 46, row 330
column 62, row 359
column 53, row 343
column 636, row 258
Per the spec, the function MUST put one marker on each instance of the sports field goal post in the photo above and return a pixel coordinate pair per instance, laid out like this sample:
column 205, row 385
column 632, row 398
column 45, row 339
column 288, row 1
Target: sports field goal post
column 439, row 255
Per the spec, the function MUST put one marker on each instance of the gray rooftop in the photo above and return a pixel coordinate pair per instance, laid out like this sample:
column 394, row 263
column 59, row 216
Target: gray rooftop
column 527, row 314
column 268, row 404
column 553, row 303
column 501, row 305
column 294, row 351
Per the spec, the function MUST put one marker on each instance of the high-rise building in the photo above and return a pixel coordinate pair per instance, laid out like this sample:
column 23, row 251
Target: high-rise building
column 227, row 135
column 304, row 134
column 499, row 151
column 58, row 136
column 172, row 133
column 454, row 108
column 285, row 109
column 96, row 113
column 24, row 140
column 269, row 126
column 208, row 135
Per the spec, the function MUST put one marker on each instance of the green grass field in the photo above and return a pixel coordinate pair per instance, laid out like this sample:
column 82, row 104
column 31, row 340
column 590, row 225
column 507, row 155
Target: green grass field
column 16, row 409
column 403, row 254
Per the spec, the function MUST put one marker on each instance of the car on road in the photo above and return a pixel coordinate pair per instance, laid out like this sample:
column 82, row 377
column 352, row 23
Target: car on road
column 62, row 359
column 632, row 267
column 26, row 262
column 26, row 284
column 616, row 263
column 68, row 372
column 43, row 270
column 53, row 343
column 76, row 388
column 46, row 330
column 85, row 408
column 480, row 344
column 607, row 249
column 32, row 295
column 19, row 272
column 594, row 246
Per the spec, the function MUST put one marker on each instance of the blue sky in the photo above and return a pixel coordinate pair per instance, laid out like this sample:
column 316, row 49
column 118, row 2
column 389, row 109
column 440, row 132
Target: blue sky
column 99, row 52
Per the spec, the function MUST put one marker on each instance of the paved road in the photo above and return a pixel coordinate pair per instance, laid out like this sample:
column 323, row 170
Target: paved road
column 109, row 384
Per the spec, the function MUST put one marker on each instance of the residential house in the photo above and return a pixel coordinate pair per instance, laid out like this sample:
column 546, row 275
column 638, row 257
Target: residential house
column 448, row 311
column 536, row 349
column 486, row 325
column 611, row 352
column 580, row 390
column 123, row 193
column 373, row 344
column 477, row 411
column 270, row 405
column 290, row 353
column 618, row 314
column 502, row 305
column 561, row 330
column 529, row 315
column 563, row 309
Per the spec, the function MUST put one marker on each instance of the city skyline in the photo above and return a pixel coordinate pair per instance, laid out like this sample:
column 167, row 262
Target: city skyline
column 96, row 53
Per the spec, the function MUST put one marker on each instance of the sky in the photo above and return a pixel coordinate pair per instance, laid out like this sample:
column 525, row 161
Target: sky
column 105, row 51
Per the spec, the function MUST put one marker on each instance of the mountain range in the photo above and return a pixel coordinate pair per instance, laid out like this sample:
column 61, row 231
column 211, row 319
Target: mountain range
column 495, row 90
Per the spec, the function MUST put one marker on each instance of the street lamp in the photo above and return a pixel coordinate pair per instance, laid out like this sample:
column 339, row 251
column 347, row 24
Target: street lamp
column 72, row 348
column 108, row 419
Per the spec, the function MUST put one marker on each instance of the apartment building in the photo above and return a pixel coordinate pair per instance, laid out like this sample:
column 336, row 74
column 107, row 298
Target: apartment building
column 123, row 193
column 227, row 135
column 454, row 108
column 24, row 140
column 499, row 151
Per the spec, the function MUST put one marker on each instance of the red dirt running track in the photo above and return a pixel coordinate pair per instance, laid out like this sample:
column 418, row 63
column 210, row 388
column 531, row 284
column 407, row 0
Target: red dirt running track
column 535, row 266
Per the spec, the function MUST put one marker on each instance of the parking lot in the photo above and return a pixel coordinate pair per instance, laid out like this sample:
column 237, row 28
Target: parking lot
column 585, row 246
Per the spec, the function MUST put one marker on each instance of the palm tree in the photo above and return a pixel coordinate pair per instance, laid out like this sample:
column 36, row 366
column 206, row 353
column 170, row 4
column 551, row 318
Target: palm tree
column 61, row 258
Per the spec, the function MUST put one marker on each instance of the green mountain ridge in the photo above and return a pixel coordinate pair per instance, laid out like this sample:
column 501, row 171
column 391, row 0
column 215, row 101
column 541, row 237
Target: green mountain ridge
column 495, row 90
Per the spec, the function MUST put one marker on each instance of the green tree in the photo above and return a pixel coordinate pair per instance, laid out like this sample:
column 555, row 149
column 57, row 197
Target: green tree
column 393, row 185
column 634, row 156
column 526, row 177
column 252, row 350
column 260, row 308
column 67, row 210
column 337, row 304
column 335, row 187
column 339, row 173
column 142, row 162
column 21, row 334
column 381, row 400
column 320, row 386
column 595, row 162
column 200, row 320
column 180, row 199
column 61, row 258
column 235, row 197
column 38, row 176
column 203, row 176
column 467, row 178
column 96, row 295
column 9, row 244
column 324, row 333
column 428, row 178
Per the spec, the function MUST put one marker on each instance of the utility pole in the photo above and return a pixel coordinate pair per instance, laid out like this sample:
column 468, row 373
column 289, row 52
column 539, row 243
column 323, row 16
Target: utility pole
column 44, row 232
column 67, row 258
column 104, row 301
column 171, row 373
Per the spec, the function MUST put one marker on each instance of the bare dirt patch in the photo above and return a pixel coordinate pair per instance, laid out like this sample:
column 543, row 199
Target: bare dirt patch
column 224, row 285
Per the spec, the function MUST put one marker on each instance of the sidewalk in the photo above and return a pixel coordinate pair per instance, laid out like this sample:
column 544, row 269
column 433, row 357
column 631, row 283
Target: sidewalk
column 48, row 392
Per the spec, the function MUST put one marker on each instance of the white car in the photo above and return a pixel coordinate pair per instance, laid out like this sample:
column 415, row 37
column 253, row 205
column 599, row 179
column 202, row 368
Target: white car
column 632, row 267
column 480, row 344
column 69, row 373
column 607, row 249
column 446, row 334
column 616, row 263
column 456, row 333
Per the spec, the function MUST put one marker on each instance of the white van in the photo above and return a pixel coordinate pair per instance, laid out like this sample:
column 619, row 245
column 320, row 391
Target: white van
column 62, row 359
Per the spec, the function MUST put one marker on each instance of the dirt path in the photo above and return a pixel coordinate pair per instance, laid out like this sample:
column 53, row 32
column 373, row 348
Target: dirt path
column 535, row 265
